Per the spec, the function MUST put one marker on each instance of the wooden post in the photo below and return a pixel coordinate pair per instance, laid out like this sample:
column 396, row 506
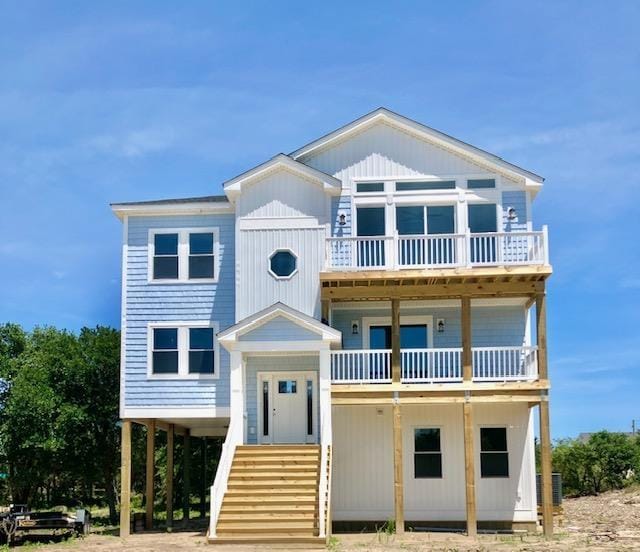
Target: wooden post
column 467, row 357
column 541, row 331
column 125, row 479
column 398, row 484
column 151, row 433
column 545, row 469
column 186, row 507
column 395, row 340
column 170, row 435
column 469, row 470
column 203, row 472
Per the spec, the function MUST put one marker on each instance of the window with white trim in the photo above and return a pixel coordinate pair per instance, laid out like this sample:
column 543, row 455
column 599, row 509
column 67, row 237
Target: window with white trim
column 183, row 255
column 183, row 350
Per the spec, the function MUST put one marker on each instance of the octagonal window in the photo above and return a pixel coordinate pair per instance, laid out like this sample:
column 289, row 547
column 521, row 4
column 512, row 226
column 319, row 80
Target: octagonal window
column 283, row 263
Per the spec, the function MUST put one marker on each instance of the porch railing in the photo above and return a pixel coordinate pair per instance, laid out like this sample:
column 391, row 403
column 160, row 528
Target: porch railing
column 361, row 366
column 434, row 365
column 437, row 251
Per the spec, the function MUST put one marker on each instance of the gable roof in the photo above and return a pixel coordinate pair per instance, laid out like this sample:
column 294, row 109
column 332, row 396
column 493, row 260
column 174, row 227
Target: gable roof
column 330, row 184
column 423, row 131
column 256, row 320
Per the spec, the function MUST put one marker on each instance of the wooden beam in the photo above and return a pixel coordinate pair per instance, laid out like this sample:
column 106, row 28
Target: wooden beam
column 467, row 357
column 545, row 470
column 149, row 480
column 186, row 507
column 440, row 388
column 469, row 470
column 541, row 331
column 170, row 447
column 398, row 484
column 431, row 291
column 396, row 371
column 125, row 479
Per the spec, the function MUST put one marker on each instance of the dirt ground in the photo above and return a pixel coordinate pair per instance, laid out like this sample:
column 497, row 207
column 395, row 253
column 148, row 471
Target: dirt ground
column 608, row 522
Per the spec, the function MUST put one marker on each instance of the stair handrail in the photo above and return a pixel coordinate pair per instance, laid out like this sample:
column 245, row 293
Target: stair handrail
column 323, row 494
column 219, row 487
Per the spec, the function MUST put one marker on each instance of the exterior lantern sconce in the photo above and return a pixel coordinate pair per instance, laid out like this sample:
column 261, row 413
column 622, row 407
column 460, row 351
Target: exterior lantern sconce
column 512, row 214
column 342, row 219
column 440, row 325
column 355, row 327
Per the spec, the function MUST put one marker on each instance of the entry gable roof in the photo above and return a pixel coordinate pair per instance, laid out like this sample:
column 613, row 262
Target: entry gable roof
column 383, row 115
column 281, row 161
column 260, row 318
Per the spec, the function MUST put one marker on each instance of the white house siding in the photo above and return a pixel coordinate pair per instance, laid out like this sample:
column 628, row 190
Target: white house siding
column 363, row 465
column 146, row 302
column 255, row 364
column 490, row 326
column 283, row 194
column 259, row 289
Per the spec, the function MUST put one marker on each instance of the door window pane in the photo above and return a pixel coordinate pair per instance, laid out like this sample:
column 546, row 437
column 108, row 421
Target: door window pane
column 413, row 336
column 370, row 221
column 482, row 218
column 287, row 386
column 380, row 337
column 309, row 407
column 265, row 408
column 410, row 220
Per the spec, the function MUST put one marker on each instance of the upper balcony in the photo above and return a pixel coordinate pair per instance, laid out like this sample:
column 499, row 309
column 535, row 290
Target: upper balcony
column 437, row 251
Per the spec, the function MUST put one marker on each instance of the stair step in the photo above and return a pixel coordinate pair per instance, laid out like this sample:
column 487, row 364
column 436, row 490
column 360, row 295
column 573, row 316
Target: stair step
column 270, row 491
column 282, row 541
column 277, row 460
column 251, row 517
column 265, row 498
column 255, row 453
column 278, row 447
column 312, row 467
column 275, row 476
column 264, row 526
column 290, row 486
column 269, row 507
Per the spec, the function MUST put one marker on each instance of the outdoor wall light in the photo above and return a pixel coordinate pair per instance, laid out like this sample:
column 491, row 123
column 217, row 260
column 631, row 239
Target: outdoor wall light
column 355, row 327
column 512, row 214
column 342, row 219
column 440, row 325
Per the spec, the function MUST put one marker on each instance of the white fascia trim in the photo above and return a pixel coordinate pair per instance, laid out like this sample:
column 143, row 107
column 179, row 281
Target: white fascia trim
column 331, row 185
column 175, row 412
column 531, row 180
column 427, row 304
column 202, row 208
column 123, row 311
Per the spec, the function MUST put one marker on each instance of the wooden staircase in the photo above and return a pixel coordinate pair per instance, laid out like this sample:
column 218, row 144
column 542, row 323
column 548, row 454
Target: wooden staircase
column 271, row 497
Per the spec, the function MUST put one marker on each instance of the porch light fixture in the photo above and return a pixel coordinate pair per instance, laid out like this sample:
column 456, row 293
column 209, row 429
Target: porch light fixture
column 355, row 327
column 512, row 214
column 342, row 219
column 440, row 325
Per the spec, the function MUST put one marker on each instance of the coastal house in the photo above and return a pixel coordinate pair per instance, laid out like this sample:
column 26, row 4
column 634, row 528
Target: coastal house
column 363, row 320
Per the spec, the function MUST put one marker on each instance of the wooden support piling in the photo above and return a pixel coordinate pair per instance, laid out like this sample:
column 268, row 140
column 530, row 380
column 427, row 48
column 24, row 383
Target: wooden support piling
column 125, row 479
column 186, row 507
column 151, row 432
column 469, row 470
column 398, row 482
column 170, row 447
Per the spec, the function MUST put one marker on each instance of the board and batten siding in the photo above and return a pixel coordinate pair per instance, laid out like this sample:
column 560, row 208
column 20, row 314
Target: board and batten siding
column 151, row 302
column 362, row 485
column 259, row 289
column 503, row 326
column 284, row 364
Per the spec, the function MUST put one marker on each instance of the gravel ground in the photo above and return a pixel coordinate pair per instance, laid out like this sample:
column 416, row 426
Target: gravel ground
column 607, row 522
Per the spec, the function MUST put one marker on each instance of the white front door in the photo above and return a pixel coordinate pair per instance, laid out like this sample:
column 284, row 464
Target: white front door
column 288, row 406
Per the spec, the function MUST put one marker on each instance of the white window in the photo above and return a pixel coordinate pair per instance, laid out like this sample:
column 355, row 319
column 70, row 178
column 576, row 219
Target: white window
column 183, row 255
column 183, row 350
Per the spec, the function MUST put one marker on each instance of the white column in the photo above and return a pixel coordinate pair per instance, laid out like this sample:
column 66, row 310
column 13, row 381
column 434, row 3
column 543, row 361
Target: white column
column 236, row 403
column 324, row 398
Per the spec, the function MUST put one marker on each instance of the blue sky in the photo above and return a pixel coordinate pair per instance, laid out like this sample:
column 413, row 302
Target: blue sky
column 116, row 101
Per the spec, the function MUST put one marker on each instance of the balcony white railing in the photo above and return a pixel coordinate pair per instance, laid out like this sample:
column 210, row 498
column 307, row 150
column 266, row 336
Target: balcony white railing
column 437, row 251
column 435, row 365
column 505, row 363
column 431, row 365
column 361, row 366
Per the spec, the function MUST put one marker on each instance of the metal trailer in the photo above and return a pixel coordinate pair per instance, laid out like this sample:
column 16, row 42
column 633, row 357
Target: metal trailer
column 20, row 521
